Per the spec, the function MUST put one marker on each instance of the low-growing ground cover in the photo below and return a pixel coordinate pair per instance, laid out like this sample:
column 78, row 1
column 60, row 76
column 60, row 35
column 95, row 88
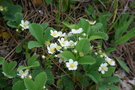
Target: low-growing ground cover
column 67, row 45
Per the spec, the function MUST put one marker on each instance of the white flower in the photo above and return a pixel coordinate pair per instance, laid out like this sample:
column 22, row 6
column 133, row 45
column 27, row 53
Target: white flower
column 77, row 31
column 57, row 47
column 63, row 42
column 43, row 56
column 55, row 34
column 69, row 34
column 72, row 65
column 24, row 24
column 96, row 53
column 75, row 51
column 84, row 34
column 80, row 38
column 30, row 76
column 110, row 61
column 2, row 8
column 61, row 34
column 51, row 48
column 23, row 74
column 103, row 67
column 72, row 43
column 91, row 22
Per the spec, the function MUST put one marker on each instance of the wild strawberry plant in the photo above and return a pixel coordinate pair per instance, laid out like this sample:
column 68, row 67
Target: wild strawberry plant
column 83, row 62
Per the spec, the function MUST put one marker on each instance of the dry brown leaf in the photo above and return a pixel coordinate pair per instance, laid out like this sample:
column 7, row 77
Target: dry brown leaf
column 4, row 35
column 37, row 2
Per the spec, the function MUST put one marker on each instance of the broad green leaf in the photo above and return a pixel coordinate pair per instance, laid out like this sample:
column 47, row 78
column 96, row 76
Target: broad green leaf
column 8, row 69
column 29, row 84
column 86, row 60
column 84, row 24
column 112, row 79
column 37, row 31
column 95, row 76
column 68, row 83
column 103, row 18
column 33, row 44
column 102, row 87
column 83, row 46
column 32, row 60
column 3, row 82
column 109, row 72
column 99, row 35
column 67, row 55
column 19, row 49
column 50, row 76
column 44, row 25
column 97, row 27
column 113, row 87
column 84, row 81
column 71, row 26
column 47, row 34
column 2, row 60
column 19, row 85
column 123, row 65
column 40, row 80
column 22, row 68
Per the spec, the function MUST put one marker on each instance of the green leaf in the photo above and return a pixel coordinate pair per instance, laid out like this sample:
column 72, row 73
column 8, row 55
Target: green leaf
column 113, row 87
column 29, row 84
column 47, row 35
column 2, row 60
column 99, row 35
column 113, row 79
column 123, row 39
column 67, row 55
column 40, row 80
column 71, row 26
column 95, row 76
column 44, row 25
column 3, row 82
column 84, row 24
column 32, row 61
column 86, row 60
column 97, row 26
column 83, row 46
column 67, row 82
column 109, row 50
column 19, row 85
column 50, row 76
column 109, row 72
column 33, row 44
column 8, row 69
column 22, row 68
column 37, row 31
column 122, row 25
column 19, row 49
column 123, row 65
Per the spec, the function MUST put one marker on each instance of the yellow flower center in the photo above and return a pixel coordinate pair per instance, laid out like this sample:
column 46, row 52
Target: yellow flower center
column 25, row 25
column 52, row 50
column 54, row 34
column 1, row 8
column 72, row 65
column 110, row 62
column 58, row 47
column 63, row 42
column 103, row 68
